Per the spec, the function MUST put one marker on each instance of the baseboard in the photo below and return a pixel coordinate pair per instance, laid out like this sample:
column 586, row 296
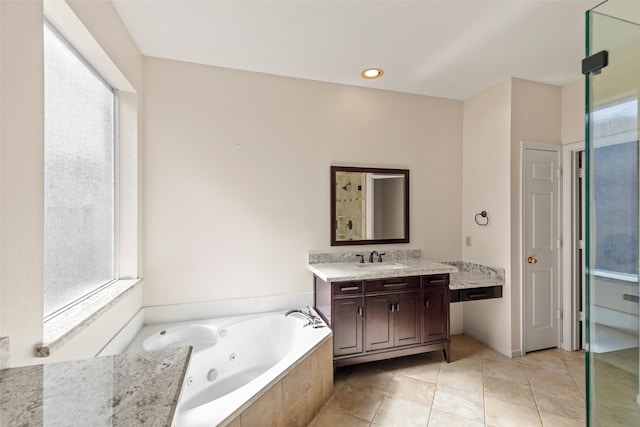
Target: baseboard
column 488, row 343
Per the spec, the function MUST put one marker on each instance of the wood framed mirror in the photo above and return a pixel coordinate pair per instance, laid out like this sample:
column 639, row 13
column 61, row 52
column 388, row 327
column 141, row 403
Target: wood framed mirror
column 369, row 206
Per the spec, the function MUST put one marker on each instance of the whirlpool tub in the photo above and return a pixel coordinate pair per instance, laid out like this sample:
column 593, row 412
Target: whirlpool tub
column 255, row 367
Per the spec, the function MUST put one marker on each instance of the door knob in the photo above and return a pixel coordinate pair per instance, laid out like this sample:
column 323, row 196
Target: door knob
column 531, row 260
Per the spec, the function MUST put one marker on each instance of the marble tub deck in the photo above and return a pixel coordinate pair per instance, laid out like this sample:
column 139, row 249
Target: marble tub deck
column 122, row 390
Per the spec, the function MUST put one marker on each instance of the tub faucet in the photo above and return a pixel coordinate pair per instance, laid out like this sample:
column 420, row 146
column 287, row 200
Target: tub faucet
column 314, row 321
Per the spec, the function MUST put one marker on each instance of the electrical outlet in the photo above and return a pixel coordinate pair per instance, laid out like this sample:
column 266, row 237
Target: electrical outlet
column 468, row 240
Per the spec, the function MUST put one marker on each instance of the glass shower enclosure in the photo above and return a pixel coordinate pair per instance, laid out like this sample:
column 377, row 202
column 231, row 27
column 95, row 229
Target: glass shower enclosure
column 612, row 90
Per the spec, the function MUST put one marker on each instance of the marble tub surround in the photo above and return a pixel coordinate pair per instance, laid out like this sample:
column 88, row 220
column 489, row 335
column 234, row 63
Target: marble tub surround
column 123, row 390
column 295, row 398
column 391, row 255
column 472, row 275
column 4, row 352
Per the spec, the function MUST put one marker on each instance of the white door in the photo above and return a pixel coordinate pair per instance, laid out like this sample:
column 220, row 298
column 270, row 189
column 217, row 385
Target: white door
column 541, row 219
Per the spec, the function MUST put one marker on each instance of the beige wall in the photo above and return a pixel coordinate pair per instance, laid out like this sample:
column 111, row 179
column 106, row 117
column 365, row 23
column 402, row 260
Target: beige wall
column 21, row 174
column 573, row 111
column 535, row 117
column 496, row 122
column 237, row 175
column 486, row 186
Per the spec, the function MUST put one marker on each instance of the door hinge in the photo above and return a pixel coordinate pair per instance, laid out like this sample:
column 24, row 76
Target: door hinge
column 595, row 63
column 581, row 173
column 558, row 243
column 581, row 316
column 559, row 314
column 558, row 173
column 580, row 244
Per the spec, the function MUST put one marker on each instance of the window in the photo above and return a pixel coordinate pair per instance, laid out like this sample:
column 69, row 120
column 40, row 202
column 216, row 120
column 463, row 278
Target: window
column 79, row 177
column 615, row 192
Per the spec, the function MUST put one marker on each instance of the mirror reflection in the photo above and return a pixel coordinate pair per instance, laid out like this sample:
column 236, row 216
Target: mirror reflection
column 369, row 205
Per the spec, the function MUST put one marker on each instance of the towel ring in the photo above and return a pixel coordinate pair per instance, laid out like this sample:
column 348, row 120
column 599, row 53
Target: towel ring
column 484, row 215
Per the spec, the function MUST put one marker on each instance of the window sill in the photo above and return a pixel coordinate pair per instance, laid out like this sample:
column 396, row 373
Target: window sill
column 68, row 324
column 624, row 277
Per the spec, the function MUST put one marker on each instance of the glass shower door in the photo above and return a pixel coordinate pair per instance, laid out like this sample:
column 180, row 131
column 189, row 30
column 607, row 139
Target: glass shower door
column 613, row 394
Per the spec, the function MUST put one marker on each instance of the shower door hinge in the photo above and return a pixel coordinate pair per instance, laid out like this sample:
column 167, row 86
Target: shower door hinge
column 595, row 63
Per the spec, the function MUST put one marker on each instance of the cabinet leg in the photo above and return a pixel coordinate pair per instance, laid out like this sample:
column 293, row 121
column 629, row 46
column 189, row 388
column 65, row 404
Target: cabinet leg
column 447, row 352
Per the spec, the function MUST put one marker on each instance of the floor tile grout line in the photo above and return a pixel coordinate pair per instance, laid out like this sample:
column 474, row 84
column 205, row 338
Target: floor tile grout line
column 484, row 401
column 535, row 400
column 466, row 353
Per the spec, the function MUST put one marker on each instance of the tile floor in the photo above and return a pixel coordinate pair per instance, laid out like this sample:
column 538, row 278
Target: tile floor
column 480, row 387
column 616, row 376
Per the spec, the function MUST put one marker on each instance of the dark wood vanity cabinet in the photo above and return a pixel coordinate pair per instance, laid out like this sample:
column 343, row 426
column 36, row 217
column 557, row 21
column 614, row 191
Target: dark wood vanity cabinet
column 436, row 308
column 474, row 294
column 349, row 325
column 392, row 308
column 384, row 318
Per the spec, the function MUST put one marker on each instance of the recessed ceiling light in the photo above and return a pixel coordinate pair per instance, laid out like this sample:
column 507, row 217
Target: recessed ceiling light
column 371, row 73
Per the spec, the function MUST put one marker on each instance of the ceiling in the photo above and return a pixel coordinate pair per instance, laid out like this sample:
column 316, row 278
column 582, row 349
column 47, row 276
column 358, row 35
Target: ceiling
column 452, row 49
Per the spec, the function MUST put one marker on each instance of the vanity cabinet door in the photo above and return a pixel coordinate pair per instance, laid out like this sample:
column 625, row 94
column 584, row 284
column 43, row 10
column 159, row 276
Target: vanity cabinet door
column 392, row 320
column 407, row 319
column 379, row 321
column 347, row 325
column 436, row 313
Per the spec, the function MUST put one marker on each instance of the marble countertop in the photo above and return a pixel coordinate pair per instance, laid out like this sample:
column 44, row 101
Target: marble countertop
column 472, row 275
column 467, row 280
column 339, row 267
column 346, row 271
column 122, row 390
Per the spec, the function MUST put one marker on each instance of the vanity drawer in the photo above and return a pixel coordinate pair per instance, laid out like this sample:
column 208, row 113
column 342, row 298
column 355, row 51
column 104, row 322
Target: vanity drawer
column 393, row 284
column 487, row 292
column 347, row 288
column 435, row 279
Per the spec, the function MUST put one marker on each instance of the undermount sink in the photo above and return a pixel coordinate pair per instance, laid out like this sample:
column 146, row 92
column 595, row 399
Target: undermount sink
column 382, row 266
